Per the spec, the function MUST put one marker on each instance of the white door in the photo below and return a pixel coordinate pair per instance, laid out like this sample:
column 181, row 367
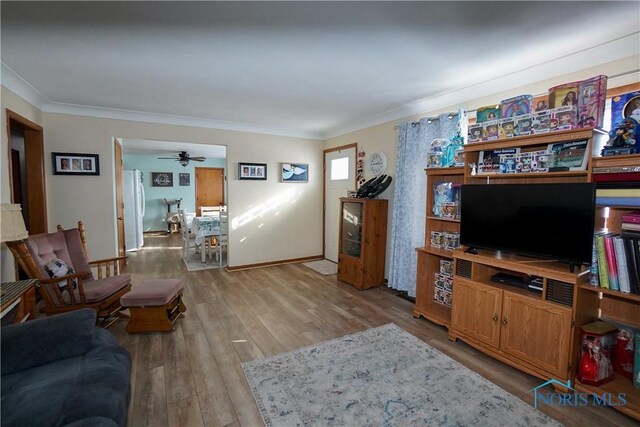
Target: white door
column 340, row 177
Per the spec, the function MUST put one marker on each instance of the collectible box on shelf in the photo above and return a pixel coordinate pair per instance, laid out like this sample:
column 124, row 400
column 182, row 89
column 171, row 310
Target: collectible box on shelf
column 591, row 101
column 443, row 282
column 541, row 161
column 490, row 130
column 458, row 158
column 446, row 267
column 437, row 239
column 475, row 132
column 563, row 118
column 489, row 160
column 597, row 343
column 522, row 125
column 564, row 95
column 444, row 192
column 451, row 240
column 487, row 113
column 625, row 105
column 623, row 351
column 540, row 122
column 516, row 106
column 443, row 297
column 541, row 103
column 523, row 163
column 508, row 163
column 450, row 210
column 506, row 128
column 434, row 160
column 570, row 155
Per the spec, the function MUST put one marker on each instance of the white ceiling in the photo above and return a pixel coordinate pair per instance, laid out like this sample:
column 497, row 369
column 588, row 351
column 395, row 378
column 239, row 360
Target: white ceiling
column 313, row 69
column 165, row 148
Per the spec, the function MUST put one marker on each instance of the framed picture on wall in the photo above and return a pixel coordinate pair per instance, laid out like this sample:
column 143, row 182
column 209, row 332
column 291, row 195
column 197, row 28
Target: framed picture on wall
column 255, row 171
column 162, row 179
column 185, row 179
column 75, row 164
column 295, row 172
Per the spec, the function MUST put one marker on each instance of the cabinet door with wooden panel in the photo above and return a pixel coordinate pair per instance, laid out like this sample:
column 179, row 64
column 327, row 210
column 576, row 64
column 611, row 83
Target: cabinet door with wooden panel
column 536, row 332
column 476, row 311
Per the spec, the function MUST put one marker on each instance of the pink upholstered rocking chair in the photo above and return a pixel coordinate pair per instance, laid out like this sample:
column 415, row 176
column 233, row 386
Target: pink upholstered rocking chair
column 79, row 288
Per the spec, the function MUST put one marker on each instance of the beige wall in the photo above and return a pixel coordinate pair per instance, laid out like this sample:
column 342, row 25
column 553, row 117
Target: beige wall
column 270, row 220
column 383, row 137
column 20, row 106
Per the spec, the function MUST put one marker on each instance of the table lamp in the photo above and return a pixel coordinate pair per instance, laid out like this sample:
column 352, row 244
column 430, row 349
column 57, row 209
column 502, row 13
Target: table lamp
column 12, row 226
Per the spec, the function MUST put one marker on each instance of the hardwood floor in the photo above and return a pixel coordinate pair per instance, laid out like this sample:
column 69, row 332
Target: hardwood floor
column 193, row 377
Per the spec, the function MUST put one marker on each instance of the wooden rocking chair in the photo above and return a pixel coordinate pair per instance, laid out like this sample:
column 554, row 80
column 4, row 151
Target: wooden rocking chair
column 80, row 289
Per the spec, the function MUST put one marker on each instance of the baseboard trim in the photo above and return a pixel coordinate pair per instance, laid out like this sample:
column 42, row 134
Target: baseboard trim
column 272, row 263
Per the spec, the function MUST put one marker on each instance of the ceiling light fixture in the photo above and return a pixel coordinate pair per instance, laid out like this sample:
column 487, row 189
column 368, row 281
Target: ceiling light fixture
column 184, row 162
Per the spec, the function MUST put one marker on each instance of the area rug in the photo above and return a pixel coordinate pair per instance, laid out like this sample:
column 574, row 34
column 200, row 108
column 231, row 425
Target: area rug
column 324, row 266
column 380, row 377
column 194, row 262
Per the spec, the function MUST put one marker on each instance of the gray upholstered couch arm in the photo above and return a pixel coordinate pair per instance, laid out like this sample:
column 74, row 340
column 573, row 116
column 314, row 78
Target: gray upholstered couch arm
column 46, row 340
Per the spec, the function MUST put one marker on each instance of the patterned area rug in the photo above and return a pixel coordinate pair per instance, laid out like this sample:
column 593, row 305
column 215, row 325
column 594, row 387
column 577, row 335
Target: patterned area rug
column 324, row 266
column 380, row 377
column 194, row 262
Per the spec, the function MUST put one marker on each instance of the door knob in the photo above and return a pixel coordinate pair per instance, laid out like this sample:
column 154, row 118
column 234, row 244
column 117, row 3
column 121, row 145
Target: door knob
column 495, row 317
column 504, row 320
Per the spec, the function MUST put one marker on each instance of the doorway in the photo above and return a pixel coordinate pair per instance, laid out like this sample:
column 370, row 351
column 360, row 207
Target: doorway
column 339, row 178
column 26, row 170
column 209, row 187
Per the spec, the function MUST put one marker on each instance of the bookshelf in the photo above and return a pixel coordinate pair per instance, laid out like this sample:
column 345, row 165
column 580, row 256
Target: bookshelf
column 588, row 303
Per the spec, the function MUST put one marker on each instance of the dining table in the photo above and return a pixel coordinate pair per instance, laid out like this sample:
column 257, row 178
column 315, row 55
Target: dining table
column 203, row 228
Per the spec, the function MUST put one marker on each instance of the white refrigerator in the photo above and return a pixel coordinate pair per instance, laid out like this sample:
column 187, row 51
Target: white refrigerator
column 134, row 205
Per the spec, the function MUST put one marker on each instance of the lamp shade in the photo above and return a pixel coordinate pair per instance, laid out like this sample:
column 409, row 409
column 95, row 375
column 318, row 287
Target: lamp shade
column 12, row 224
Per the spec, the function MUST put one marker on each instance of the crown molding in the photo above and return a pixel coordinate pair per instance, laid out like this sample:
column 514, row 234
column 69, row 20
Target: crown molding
column 16, row 84
column 167, row 119
column 597, row 55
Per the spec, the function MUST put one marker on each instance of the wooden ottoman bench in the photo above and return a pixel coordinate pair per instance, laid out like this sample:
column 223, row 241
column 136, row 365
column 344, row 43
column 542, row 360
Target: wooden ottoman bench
column 155, row 305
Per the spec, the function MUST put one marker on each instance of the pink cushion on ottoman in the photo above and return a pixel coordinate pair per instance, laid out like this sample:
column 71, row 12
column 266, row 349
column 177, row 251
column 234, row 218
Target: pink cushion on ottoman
column 152, row 293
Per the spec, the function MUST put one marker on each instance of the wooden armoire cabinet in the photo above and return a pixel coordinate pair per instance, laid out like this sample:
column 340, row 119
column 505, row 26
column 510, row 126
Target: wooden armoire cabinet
column 363, row 241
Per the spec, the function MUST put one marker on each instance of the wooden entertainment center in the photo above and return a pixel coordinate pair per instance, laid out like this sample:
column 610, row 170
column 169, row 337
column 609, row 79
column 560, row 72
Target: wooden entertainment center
column 535, row 332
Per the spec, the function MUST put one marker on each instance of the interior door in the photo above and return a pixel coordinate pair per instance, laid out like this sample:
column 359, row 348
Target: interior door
column 536, row 332
column 339, row 177
column 117, row 155
column 209, row 187
column 476, row 311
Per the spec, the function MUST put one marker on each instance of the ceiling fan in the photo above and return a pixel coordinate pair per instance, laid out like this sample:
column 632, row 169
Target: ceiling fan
column 184, row 158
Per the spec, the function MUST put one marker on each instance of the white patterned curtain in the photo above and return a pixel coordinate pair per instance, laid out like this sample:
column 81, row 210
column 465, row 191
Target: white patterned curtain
column 409, row 202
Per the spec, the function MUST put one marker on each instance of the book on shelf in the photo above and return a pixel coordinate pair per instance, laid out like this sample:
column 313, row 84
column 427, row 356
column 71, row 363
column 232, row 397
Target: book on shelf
column 631, row 202
column 632, row 252
column 618, row 192
column 611, row 263
column 621, row 260
column 603, row 271
column 630, row 226
column 631, row 217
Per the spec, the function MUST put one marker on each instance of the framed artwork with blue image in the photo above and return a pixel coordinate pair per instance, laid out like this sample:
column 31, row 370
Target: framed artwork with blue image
column 295, row 172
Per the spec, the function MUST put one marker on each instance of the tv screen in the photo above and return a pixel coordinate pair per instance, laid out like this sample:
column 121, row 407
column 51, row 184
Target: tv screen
column 553, row 221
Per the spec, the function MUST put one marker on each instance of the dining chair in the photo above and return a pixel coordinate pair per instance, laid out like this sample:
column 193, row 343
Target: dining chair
column 223, row 238
column 188, row 238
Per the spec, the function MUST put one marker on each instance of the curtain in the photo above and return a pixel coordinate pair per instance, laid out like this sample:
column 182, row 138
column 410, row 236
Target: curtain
column 410, row 194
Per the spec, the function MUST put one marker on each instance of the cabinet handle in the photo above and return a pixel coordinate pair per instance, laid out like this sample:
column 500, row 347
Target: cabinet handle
column 495, row 317
column 504, row 320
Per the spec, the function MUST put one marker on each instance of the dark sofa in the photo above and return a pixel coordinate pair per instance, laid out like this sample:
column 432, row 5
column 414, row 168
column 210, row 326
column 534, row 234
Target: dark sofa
column 62, row 370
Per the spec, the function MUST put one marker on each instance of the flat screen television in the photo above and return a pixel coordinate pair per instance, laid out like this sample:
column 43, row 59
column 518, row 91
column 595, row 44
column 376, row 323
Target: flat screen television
column 553, row 221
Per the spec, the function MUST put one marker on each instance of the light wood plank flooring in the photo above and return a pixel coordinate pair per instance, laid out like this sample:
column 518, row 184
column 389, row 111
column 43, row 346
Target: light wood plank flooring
column 193, row 377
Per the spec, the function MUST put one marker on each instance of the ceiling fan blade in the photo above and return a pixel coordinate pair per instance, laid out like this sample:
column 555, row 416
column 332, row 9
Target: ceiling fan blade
column 168, row 158
column 198, row 159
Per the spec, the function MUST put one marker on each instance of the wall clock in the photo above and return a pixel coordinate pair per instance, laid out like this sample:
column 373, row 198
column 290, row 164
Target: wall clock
column 377, row 163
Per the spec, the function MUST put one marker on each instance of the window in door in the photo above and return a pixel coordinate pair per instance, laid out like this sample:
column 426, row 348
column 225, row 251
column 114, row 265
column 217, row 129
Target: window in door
column 340, row 169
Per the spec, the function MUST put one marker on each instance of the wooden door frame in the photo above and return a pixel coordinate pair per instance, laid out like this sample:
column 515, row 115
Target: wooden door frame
column 34, row 169
column 117, row 146
column 324, row 184
column 195, row 185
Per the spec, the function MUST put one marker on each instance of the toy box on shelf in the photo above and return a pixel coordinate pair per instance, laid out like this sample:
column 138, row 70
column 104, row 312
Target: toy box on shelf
column 516, row 106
